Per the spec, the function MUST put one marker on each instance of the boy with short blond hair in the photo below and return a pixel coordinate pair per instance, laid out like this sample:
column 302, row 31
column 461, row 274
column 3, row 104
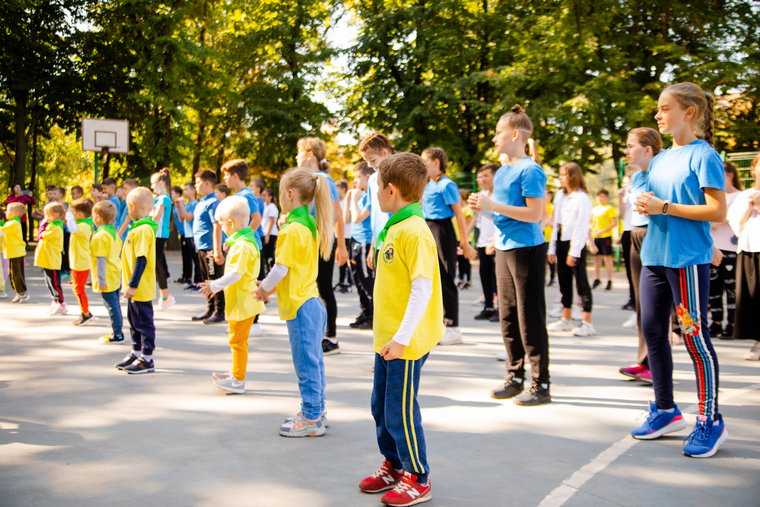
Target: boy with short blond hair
column 14, row 249
column 49, row 255
column 239, row 280
column 79, row 255
column 408, row 323
column 138, row 263
column 105, row 250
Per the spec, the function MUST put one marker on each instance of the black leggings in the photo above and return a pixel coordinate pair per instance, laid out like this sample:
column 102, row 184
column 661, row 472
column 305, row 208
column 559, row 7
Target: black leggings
column 625, row 243
column 162, row 270
column 487, row 276
column 324, row 284
column 566, row 273
column 446, row 243
column 722, row 278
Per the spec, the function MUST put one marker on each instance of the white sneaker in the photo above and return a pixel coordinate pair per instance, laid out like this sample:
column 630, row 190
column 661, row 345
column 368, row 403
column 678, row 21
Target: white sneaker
column 221, row 376
column 557, row 312
column 479, row 301
column 561, row 325
column 577, row 313
column 502, row 356
column 231, row 385
column 754, row 353
column 164, row 304
column 53, row 307
column 3, row 295
column 255, row 330
column 585, row 329
column 631, row 322
column 60, row 310
column 453, row 336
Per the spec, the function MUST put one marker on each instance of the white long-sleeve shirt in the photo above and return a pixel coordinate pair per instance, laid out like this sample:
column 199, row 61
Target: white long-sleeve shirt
column 559, row 198
column 749, row 235
column 575, row 220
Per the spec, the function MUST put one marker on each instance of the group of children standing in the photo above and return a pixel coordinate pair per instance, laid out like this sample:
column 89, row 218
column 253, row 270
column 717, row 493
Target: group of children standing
column 402, row 237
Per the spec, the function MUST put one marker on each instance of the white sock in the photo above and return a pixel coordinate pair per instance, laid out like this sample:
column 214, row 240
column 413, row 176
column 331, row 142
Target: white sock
column 137, row 354
column 332, row 340
column 147, row 357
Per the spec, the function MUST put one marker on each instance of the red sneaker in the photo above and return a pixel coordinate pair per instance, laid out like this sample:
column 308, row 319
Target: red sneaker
column 633, row 370
column 408, row 492
column 382, row 480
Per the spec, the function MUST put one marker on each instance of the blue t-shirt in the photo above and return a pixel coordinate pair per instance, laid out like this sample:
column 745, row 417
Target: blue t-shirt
column 115, row 200
column 637, row 187
column 438, row 198
column 203, row 222
column 377, row 218
column 164, row 220
column 333, row 190
column 123, row 215
column 511, row 185
column 680, row 176
column 188, row 224
column 362, row 232
column 253, row 205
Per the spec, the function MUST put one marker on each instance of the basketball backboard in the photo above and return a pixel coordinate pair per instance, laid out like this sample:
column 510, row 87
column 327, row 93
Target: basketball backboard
column 99, row 134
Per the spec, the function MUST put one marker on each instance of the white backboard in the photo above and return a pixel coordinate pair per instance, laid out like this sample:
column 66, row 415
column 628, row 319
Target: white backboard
column 98, row 134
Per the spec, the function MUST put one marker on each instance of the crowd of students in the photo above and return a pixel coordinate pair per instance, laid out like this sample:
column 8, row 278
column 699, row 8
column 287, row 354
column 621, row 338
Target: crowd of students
column 403, row 231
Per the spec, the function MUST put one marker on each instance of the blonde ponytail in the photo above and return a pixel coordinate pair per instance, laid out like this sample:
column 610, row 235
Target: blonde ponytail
column 313, row 187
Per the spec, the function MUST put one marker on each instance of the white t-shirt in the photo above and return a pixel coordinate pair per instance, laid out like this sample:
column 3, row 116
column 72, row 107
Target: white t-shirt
column 628, row 210
column 749, row 236
column 346, row 227
column 486, row 227
column 270, row 213
column 723, row 237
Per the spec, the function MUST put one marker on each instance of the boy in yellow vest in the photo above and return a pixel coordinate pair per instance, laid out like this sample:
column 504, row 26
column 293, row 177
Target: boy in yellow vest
column 79, row 255
column 138, row 262
column 241, row 270
column 408, row 323
column 14, row 249
column 105, row 250
column 49, row 255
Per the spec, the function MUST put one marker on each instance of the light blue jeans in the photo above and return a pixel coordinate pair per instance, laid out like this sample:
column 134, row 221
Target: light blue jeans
column 306, row 332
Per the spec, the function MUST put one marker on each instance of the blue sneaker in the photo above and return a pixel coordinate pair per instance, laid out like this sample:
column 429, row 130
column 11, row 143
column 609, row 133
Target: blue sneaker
column 659, row 422
column 706, row 437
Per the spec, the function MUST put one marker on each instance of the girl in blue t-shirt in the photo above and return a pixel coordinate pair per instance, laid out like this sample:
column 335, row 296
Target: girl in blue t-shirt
column 641, row 147
column 519, row 188
column 685, row 192
column 161, row 183
column 440, row 203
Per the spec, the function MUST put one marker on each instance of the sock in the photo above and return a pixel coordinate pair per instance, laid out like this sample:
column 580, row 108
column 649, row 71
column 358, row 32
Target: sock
column 137, row 354
column 518, row 380
column 147, row 357
column 545, row 386
column 332, row 340
column 670, row 410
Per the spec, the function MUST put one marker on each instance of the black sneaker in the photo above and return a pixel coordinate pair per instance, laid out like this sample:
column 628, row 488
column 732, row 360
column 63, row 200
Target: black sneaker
column 629, row 306
column 609, row 285
column 367, row 324
column 596, row 283
column 715, row 329
column 494, row 317
column 460, row 285
column 329, row 348
column 215, row 319
column 359, row 321
column 509, row 389
column 189, row 286
column 140, row 366
column 728, row 332
column 486, row 314
column 84, row 319
column 466, row 285
column 204, row 316
column 536, row 395
column 126, row 362
column 550, row 283
column 181, row 281
column 337, row 286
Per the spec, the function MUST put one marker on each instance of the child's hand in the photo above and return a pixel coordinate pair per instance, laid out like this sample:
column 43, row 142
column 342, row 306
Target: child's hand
column 130, row 293
column 371, row 259
column 551, row 258
column 205, row 288
column 218, row 258
column 392, row 350
column 260, row 294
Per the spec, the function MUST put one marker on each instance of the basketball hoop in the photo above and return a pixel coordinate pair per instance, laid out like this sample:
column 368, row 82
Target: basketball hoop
column 104, row 136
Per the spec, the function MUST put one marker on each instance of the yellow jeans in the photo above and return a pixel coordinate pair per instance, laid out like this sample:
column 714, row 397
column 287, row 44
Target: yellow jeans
column 239, row 331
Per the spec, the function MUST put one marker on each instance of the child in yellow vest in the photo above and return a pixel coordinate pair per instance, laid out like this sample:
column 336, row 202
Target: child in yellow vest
column 14, row 249
column 105, row 250
column 138, row 263
column 299, row 244
column 49, row 255
column 241, row 270
column 408, row 324
column 3, row 259
column 79, row 255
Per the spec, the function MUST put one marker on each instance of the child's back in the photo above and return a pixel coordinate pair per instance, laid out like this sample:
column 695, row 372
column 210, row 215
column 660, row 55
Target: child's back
column 297, row 250
column 141, row 242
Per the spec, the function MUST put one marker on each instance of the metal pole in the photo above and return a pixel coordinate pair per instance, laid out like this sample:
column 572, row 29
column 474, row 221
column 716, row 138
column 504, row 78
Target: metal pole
column 96, row 167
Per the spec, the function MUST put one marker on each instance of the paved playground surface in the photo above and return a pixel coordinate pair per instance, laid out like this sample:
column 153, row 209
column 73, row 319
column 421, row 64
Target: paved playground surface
column 75, row 431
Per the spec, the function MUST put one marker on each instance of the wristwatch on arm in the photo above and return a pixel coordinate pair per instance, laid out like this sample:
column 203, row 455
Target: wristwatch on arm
column 665, row 206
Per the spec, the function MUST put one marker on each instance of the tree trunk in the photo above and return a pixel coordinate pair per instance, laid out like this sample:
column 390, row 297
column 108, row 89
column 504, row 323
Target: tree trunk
column 19, row 166
column 106, row 166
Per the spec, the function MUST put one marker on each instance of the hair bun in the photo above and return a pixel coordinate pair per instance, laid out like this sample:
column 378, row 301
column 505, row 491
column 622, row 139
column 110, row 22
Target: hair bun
column 517, row 109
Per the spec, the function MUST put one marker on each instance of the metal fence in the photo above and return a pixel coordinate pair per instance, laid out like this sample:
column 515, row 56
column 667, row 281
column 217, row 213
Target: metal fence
column 742, row 162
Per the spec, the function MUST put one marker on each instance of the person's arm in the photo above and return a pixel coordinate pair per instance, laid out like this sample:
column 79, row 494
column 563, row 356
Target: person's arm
column 467, row 250
column 102, row 263
column 341, row 254
column 614, row 224
column 359, row 216
column 270, row 225
column 217, row 242
column 124, row 226
column 187, row 215
column 371, row 256
column 140, row 265
column 422, row 291
column 268, row 284
column 214, row 286
column 255, row 221
column 157, row 212
column 531, row 212
column 581, row 229
column 714, row 209
column 71, row 223
column 180, row 210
